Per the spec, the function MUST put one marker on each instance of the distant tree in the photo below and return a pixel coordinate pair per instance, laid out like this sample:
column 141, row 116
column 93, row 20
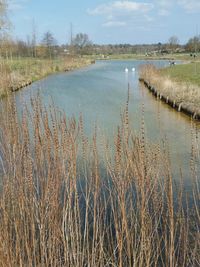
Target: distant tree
column 7, row 46
column 49, row 43
column 81, row 40
column 34, row 40
column 3, row 15
column 29, row 45
column 173, row 42
column 82, row 43
column 41, row 51
column 159, row 46
column 193, row 44
column 22, row 48
column 4, row 26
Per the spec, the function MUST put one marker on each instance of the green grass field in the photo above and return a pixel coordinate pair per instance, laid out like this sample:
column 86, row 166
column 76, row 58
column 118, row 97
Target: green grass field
column 34, row 68
column 177, row 56
column 185, row 73
column 142, row 56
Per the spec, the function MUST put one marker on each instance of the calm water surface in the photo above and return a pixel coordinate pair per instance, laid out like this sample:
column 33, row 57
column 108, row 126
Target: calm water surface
column 99, row 92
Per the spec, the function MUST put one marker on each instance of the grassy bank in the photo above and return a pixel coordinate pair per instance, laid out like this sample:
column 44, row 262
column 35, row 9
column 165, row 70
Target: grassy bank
column 189, row 73
column 62, row 203
column 177, row 85
column 17, row 72
column 134, row 56
column 152, row 57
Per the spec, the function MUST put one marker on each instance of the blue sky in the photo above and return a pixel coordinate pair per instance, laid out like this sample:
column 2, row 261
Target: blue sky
column 107, row 21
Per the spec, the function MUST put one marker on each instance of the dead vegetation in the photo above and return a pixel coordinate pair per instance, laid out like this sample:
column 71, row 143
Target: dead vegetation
column 182, row 95
column 17, row 73
column 62, row 203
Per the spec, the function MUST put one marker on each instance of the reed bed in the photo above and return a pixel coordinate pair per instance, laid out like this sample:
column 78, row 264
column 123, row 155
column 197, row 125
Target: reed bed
column 63, row 203
column 17, row 73
column 5, row 81
column 183, row 94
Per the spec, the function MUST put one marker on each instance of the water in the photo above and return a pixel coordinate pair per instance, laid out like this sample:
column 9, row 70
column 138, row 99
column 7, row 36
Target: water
column 99, row 93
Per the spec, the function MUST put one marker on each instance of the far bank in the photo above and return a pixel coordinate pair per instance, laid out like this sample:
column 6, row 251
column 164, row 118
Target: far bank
column 17, row 73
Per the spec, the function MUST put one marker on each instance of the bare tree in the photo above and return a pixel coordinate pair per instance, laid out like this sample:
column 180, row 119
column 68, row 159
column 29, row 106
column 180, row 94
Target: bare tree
column 173, row 42
column 4, row 26
column 49, row 42
column 193, row 44
column 4, row 21
column 34, row 39
column 81, row 41
column 3, row 12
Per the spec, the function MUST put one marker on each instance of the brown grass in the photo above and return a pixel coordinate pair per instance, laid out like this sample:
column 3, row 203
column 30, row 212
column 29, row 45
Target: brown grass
column 62, row 203
column 16, row 73
column 5, row 80
column 183, row 93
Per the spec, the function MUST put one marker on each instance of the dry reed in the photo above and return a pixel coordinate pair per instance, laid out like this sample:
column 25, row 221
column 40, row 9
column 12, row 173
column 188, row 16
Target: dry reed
column 17, row 73
column 63, row 204
column 183, row 95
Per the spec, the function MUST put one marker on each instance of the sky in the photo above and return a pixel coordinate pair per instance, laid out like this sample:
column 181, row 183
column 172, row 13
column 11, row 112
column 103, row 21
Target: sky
column 107, row 21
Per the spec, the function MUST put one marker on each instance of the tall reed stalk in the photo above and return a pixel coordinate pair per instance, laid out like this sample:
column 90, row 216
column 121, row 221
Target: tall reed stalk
column 62, row 203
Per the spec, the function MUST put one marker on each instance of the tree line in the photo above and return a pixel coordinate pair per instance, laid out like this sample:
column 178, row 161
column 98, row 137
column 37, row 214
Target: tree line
column 80, row 44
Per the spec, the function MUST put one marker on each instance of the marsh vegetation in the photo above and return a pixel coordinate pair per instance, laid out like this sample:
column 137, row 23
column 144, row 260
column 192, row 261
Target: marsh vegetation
column 180, row 86
column 71, row 199
column 63, row 203
column 18, row 72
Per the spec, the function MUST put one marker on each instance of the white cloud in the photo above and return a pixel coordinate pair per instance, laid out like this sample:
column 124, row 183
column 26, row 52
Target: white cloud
column 164, row 7
column 100, row 10
column 165, row 4
column 120, row 7
column 121, row 13
column 17, row 4
column 132, row 6
column 163, row 12
column 191, row 6
column 114, row 24
column 148, row 18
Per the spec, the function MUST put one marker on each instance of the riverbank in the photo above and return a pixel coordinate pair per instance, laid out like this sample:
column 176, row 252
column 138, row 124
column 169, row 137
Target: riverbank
column 19, row 72
column 183, row 95
column 133, row 56
column 189, row 72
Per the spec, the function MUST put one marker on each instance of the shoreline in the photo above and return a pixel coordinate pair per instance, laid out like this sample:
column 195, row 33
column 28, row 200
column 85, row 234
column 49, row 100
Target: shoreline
column 179, row 90
column 183, row 107
column 16, row 86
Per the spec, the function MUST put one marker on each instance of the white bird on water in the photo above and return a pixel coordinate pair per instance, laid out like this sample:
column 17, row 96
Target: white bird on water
column 126, row 69
column 133, row 69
